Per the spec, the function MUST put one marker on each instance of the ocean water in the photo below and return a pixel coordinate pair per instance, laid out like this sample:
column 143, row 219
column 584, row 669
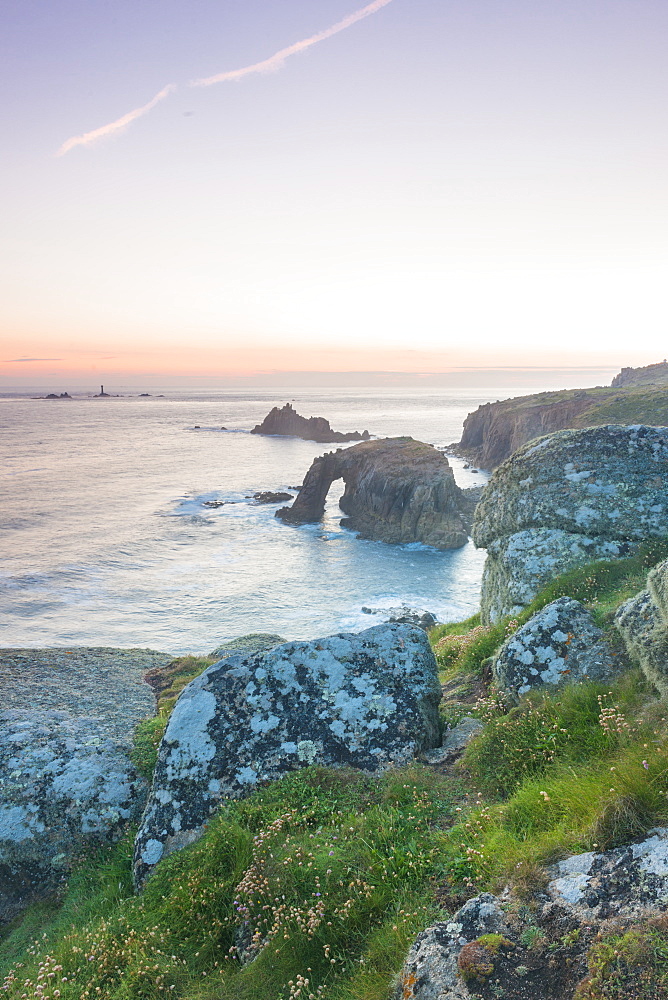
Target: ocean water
column 105, row 539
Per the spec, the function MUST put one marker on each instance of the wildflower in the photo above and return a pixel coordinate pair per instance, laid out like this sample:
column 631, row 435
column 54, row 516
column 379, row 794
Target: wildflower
column 645, row 765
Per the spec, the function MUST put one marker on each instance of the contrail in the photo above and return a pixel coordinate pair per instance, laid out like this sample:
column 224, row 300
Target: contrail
column 120, row 123
column 276, row 61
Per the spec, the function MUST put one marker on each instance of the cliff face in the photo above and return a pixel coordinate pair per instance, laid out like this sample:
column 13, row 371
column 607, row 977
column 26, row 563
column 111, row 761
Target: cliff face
column 397, row 490
column 649, row 375
column 494, row 431
column 287, row 422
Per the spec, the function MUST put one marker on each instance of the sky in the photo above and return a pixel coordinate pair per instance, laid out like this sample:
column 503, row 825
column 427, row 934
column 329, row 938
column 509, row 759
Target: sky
column 210, row 188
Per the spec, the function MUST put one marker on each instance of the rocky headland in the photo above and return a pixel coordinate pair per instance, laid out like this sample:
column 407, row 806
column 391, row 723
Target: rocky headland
column 286, row 422
column 397, row 490
column 495, row 430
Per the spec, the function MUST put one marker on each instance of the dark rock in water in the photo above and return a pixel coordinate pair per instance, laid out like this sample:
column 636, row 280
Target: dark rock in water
column 559, row 645
column 286, row 422
column 55, row 395
column 268, row 497
column 214, row 503
column 405, row 616
column 368, row 701
column 397, row 490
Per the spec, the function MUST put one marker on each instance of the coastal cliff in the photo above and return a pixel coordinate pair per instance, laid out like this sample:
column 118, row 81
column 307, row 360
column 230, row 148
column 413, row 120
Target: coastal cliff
column 397, row 490
column 286, row 422
column 495, row 430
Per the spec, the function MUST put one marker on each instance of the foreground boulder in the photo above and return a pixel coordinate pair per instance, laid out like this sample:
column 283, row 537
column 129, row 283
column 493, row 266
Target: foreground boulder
column 560, row 644
column 565, row 500
column 642, row 622
column 66, row 779
column 285, row 421
column 367, row 700
column 397, row 490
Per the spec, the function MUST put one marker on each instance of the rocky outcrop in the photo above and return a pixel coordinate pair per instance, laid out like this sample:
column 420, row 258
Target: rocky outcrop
column 642, row 623
column 656, row 374
column 560, row 644
column 367, row 700
column 286, row 422
column 566, row 500
column 432, row 969
column 397, row 490
column 66, row 779
column 492, row 947
column 494, row 431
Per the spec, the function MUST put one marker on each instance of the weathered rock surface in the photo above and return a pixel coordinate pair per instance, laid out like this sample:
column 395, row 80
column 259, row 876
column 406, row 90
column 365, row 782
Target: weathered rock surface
column 254, row 642
column 367, row 700
column 455, row 741
column 627, row 882
column 285, row 421
column 645, row 636
column 657, row 584
column 431, row 971
column 66, row 780
column 397, row 490
column 560, row 644
column 540, row 951
column 565, row 500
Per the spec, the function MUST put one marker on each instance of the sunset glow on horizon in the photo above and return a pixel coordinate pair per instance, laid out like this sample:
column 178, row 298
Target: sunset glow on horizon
column 389, row 186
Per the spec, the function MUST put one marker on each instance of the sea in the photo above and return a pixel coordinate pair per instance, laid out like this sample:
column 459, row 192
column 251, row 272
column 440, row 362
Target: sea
column 109, row 538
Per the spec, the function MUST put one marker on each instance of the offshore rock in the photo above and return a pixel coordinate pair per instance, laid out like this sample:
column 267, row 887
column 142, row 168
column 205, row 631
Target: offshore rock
column 397, row 490
column 560, row 644
column 66, row 779
column 367, row 700
column 285, row 421
column 565, row 500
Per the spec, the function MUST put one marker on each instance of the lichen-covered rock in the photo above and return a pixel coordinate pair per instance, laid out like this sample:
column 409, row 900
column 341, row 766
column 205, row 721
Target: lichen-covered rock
column 627, row 882
column 455, row 741
column 645, row 636
column 564, row 500
column 397, row 490
column 560, row 644
column 519, row 565
column 66, row 780
column 431, row 971
column 367, row 700
column 657, row 584
column 254, row 642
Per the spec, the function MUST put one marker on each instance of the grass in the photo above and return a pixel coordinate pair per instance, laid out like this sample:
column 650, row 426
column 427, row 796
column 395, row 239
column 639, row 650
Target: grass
column 630, row 966
column 326, row 875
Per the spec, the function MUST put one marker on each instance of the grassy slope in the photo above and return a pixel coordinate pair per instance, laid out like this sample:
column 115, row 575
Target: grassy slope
column 631, row 404
column 337, row 870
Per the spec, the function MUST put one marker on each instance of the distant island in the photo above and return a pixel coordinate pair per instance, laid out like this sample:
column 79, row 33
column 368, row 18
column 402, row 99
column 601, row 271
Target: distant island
column 286, row 422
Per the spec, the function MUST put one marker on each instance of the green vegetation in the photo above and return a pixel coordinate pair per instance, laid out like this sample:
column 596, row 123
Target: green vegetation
column 631, row 966
column 325, row 876
column 315, row 885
